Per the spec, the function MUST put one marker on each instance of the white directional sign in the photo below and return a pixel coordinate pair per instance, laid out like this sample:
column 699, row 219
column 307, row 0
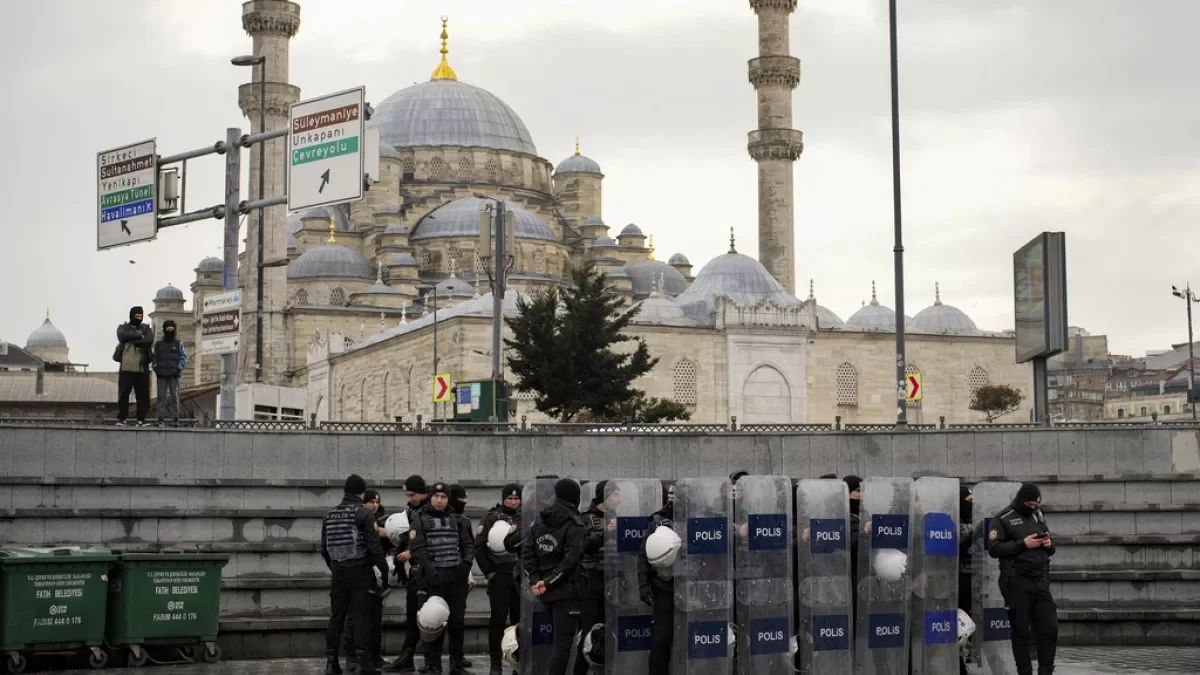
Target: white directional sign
column 221, row 323
column 224, row 344
column 127, row 195
column 325, row 150
column 218, row 302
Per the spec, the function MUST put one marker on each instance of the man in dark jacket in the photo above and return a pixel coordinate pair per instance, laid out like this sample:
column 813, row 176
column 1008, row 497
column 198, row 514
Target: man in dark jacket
column 1020, row 539
column 551, row 558
column 374, row 503
column 418, row 493
column 658, row 591
column 591, row 589
column 168, row 361
column 134, row 340
column 497, row 568
column 352, row 552
column 442, row 553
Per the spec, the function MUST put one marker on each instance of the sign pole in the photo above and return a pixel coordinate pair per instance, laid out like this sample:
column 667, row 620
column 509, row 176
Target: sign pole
column 233, row 180
column 898, row 249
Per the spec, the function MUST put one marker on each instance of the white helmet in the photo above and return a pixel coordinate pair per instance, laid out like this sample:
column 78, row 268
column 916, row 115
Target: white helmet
column 396, row 526
column 509, row 645
column 432, row 618
column 593, row 647
column 496, row 535
column 891, row 564
column 662, row 546
column 966, row 627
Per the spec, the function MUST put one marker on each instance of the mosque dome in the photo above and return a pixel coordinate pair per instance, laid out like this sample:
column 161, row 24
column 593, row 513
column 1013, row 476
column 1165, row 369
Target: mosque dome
column 379, row 288
column 330, row 261
column 295, row 221
column 578, row 163
column 739, row 278
column 631, row 230
column 403, row 259
column 46, row 336
column 873, row 316
column 594, row 221
column 395, row 228
column 679, row 259
column 826, row 318
column 939, row 318
column 647, row 273
column 454, row 288
column 460, row 218
column 605, row 242
column 386, row 151
column 447, row 112
column 169, row 293
column 211, row 264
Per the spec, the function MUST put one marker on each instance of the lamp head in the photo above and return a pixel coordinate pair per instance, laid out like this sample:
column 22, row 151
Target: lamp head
column 247, row 60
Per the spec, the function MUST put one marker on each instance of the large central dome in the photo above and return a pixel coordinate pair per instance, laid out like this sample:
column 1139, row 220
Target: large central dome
column 449, row 112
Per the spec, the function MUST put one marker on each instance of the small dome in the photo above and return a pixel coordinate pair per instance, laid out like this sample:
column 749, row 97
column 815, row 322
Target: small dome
column 211, row 265
column 386, row 151
column 679, row 259
column 945, row 319
column 295, row 221
column 331, row 261
column 826, row 318
column 874, row 316
column 389, row 206
column 594, row 221
column 379, row 288
column 402, row 259
column 46, row 336
column 605, row 241
column 169, row 293
column 578, row 164
column 460, row 218
column 631, row 230
column 395, row 228
column 451, row 113
column 647, row 273
column 737, row 277
column 617, row 273
column 454, row 288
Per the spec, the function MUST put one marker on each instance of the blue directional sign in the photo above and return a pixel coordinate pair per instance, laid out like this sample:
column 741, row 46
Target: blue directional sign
column 127, row 195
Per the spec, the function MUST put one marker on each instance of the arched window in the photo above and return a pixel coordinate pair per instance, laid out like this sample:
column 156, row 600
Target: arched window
column 437, row 169
column 847, row 385
column 1166, row 410
column 978, row 378
column 452, row 258
column 1120, row 413
column 426, row 260
column 539, row 261
column 685, row 382
column 912, row 369
column 1144, row 413
column 465, row 169
column 492, row 170
column 348, row 342
column 410, row 169
column 337, row 297
column 514, row 173
column 302, row 298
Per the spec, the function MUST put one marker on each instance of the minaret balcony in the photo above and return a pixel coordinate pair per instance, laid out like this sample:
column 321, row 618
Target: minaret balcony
column 777, row 5
column 775, row 71
column 775, row 144
column 280, row 97
column 273, row 17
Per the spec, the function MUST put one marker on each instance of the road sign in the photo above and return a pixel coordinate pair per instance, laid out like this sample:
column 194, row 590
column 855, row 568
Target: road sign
column 218, row 302
column 219, row 323
column 325, row 150
column 915, row 390
column 441, row 388
column 127, row 195
column 222, row 344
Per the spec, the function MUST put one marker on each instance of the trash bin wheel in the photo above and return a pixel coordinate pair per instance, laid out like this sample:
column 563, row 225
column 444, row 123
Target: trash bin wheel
column 212, row 652
column 138, row 658
column 15, row 663
column 187, row 652
column 98, row 659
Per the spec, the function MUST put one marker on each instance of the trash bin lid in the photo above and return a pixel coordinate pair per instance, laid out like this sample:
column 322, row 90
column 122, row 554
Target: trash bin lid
column 65, row 554
column 169, row 556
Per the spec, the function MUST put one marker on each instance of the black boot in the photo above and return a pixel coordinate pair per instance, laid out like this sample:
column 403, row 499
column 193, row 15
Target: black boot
column 496, row 670
column 365, row 663
column 433, row 665
column 332, row 667
column 402, row 664
column 351, row 661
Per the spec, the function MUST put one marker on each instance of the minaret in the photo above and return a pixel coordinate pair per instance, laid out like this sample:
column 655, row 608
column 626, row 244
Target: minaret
column 272, row 24
column 775, row 145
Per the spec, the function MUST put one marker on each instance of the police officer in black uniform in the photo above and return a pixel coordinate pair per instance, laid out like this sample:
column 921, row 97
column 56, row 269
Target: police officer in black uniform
column 418, row 493
column 374, row 503
column 551, row 558
column 659, row 591
column 351, row 549
column 442, row 554
column 591, row 588
column 1020, row 539
column 497, row 568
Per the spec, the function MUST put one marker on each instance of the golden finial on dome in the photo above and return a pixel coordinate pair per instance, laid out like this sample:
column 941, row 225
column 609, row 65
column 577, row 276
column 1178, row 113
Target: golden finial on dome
column 577, row 146
column 332, row 239
column 650, row 255
column 444, row 71
column 47, row 313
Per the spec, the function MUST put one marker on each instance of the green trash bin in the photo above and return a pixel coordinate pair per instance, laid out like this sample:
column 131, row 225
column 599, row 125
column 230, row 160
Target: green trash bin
column 170, row 598
column 53, row 601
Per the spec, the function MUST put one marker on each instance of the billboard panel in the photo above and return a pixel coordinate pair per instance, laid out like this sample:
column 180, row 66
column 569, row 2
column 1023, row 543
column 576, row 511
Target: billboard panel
column 1040, row 297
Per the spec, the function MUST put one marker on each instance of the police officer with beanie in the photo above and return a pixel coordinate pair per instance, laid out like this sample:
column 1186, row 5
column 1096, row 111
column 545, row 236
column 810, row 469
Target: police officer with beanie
column 1020, row 539
column 442, row 553
column 352, row 552
column 497, row 568
column 658, row 591
column 418, row 494
column 551, row 556
column 591, row 589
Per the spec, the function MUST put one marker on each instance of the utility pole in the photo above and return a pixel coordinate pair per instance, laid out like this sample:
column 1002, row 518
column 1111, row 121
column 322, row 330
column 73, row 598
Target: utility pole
column 1189, row 298
column 898, row 249
column 233, row 195
column 496, row 234
column 261, row 63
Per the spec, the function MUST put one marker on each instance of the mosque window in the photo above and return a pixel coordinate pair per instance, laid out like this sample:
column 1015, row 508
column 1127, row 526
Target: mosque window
column 479, row 265
column 465, row 169
column 978, row 378
column 410, row 168
column 437, row 169
column 301, row 298
column 426, row 260
column 452, row 258
column 348, row 341
column 514, row 172
column 1120, row 413
column 539, row 261
column 1166, row 410
column 847, row 385
column 337, row 297
column 685, row 382
column 492, row 170
column 1143, row 411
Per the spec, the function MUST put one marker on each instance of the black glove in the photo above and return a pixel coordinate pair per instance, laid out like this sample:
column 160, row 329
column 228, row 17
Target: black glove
column 646, row 594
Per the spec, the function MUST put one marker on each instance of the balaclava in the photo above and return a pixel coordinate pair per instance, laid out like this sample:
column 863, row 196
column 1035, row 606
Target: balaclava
column 1028, row 493
column 458, row 493
column 169, row 330
column 853, row 483
column 134, row 312
column 965, row 506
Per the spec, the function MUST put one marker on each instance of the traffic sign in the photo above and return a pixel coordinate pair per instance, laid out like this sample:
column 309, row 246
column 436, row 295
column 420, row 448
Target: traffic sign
column 221, row 344
column 218, row 302
column 325, row 150
column 441, row 388
column 127, row 195
column 219, row 323
column 915, row 389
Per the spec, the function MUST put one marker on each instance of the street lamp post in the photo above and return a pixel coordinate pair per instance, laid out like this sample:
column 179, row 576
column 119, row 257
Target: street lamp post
column 898, row 248
column 1189, row 298
column 261, row 62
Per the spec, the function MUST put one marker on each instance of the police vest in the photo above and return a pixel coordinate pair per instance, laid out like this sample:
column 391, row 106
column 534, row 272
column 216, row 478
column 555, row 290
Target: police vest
column 344, row 542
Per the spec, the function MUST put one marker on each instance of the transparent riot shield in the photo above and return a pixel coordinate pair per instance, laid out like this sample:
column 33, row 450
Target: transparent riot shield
column 993, row 637
column 536, row 631
column 824, row 634
column 703, row 578
column 763, row 593
column 882, row 628
column 627, row 619
column 934, row 575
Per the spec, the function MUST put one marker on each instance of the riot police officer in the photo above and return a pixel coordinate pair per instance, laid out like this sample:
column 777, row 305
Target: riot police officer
column 497, row 565
column 591, row 588
column 352, row 552
column 374, row 503
column 443, row 552
column 658, row 591
column 550, row 556
column 1020, row 539
column 418, row 493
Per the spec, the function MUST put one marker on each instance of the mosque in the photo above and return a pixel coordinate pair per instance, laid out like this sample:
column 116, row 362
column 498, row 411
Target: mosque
column 365, row 302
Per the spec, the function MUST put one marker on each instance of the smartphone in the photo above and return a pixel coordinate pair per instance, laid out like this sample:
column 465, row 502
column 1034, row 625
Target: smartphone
column 1041, row 536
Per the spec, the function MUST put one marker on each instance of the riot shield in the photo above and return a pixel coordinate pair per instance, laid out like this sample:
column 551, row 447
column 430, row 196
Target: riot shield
column 627, row 619
column 703, row 573
column 823, row 562
column 763, row 593
column 993, row 637
column 882, row 630
column 536, row 631
column 934, row 572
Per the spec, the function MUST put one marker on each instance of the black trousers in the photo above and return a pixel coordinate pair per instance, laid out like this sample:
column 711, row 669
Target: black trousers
column 376, row 628
column 662, row 632
column 564, row 616
column 412, row 634
column 591, row 612
column 351, row 593
column 505, row 601
column 139, row 384
column 453, row 589
column 1031, row 610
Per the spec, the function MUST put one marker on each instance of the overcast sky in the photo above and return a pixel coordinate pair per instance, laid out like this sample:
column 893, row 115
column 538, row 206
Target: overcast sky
column 1018, row 116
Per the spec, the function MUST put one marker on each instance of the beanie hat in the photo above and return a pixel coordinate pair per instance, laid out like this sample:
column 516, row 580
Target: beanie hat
column 510, row 490
column 355, row 485
column 1028, row 493
column 371, row 494
column 416, row 485
column 829, row 476
column 853, row 482
column 457, row 491
column 440, row 487
column 567, row 490
column 733, row 477
column 600, row 490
